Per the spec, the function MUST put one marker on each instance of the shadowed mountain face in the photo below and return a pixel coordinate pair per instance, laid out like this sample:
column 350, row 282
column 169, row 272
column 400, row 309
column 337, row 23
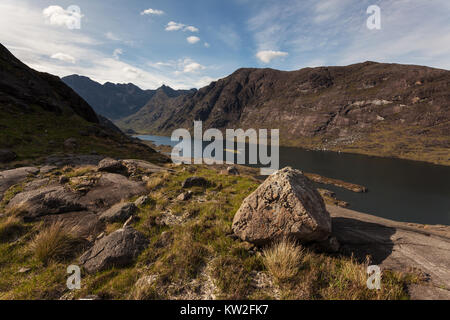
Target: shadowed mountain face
column 22, row 88
column 114, row 101
column 40, row 115
column 371, row 108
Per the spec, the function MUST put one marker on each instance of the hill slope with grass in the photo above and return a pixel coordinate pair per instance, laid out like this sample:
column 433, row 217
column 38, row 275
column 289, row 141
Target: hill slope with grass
column 189, row 250
column 371, row 108
column 40, row 115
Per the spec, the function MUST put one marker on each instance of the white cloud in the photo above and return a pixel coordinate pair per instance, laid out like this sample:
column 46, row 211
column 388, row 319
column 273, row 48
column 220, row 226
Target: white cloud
column 193, row 39
column 176, row 26
column 191, row 29
column 193, row 67
column 268, row 55
column 152, row 11
column 117, row 53
column 56, row 15
column 63, row 57
column 180, row 66
column 23, row 32
column 112, row 36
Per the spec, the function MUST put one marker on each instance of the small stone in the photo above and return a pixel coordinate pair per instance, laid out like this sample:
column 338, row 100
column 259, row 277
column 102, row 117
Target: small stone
column 142, row 201
column 24, row 270
column 63, row 180
column 232, row 171
column 184, row 196
column 195, row 182
column 119, row 212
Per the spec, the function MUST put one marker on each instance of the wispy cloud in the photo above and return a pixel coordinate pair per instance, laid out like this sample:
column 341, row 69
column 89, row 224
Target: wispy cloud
column 112, row 36
column 176, row 26
column 152, row 12
column 268, row 55
column 56, row 15
column 24, row 32
column 193, row 67
column 63, row 57
column 335, row 32
column 193, row 39
column 116, row 53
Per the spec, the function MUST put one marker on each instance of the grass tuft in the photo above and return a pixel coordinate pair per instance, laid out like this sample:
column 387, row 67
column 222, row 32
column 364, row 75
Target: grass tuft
column 55, row 243
column 282, row 259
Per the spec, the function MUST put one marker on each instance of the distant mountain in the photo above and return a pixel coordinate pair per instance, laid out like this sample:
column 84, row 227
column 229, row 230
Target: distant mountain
column 40, row 115
column 160, row 104
column 371, row 108
column 113, row 101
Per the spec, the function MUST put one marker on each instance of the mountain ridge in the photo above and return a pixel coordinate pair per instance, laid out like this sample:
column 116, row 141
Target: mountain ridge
column 373, row 108
column 41, row 116
column 112, row 100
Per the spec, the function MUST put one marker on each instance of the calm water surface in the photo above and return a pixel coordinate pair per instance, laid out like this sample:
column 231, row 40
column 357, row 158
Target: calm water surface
column 400, row 190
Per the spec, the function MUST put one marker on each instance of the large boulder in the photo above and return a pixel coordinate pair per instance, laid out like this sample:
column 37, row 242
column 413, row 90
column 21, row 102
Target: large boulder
column 110, row 189
column 119, row 249
column 119, row 212
column 45, row 201
column 111, row 165
column 11, row 177
column 285, row 205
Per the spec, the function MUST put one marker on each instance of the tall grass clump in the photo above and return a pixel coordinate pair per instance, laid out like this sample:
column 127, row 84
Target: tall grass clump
column 56, row 243
column 282, row 259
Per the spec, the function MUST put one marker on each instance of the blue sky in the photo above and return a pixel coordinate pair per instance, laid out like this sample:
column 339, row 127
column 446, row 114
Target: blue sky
column 188, row 44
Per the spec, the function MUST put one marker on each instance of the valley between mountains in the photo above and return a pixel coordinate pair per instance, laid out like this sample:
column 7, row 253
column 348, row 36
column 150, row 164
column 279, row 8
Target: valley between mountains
column 76, row 190
column 388, row 110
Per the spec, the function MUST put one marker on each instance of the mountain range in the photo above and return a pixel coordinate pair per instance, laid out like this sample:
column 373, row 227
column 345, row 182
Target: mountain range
column 390, row 110
column 40, row 116
column 113, row 101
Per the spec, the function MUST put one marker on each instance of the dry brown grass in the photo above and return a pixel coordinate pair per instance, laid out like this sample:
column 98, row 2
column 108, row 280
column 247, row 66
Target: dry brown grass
column 154, row 182
column 282, row 259
column 55, row 243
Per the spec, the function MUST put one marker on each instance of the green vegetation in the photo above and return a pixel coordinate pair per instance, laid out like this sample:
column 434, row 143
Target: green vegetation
column 192, row 254
column 38, row 134
column 55, row 243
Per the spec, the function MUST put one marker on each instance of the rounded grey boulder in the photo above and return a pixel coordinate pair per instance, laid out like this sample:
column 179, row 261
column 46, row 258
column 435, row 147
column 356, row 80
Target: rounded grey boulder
column 285, row 205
